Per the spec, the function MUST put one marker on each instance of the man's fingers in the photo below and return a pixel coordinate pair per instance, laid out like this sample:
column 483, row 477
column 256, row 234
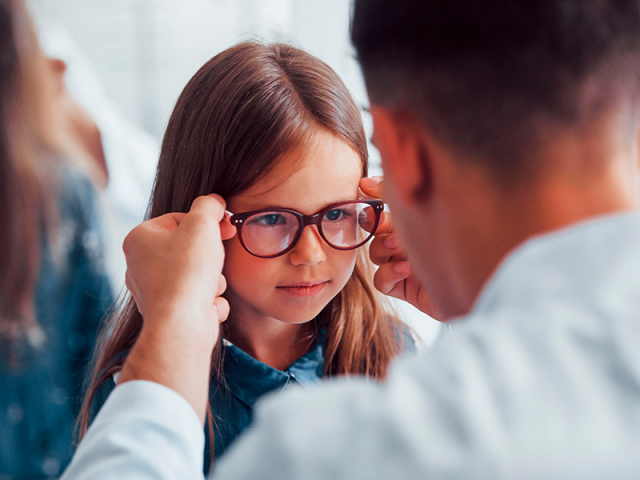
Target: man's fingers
column 164, row 223
column 223, row 308
column 204, row 211
column 385, row 248
column 219, row 206
column 222, row 286
column 385, row 225
column 168, row 222
column 372, row 187
column 388, row 276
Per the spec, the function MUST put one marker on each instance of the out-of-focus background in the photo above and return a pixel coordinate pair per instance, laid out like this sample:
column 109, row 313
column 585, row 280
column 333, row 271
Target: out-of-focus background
column 145, row 51
column 128, row 60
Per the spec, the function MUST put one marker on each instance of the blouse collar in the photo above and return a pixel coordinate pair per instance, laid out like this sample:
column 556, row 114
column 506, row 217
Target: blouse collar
column 250, row 379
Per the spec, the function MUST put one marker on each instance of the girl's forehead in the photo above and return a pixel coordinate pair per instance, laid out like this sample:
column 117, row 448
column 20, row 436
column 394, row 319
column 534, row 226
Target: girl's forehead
column 326, row 172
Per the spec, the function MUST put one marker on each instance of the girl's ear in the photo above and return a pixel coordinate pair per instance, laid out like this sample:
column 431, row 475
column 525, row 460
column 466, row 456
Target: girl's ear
column 405, row 157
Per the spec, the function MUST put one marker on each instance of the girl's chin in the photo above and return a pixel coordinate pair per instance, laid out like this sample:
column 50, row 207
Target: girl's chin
column 297, row 316
column 297, row 320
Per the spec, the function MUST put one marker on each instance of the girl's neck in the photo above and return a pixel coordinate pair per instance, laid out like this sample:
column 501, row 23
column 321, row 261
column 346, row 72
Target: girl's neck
column 268, row 340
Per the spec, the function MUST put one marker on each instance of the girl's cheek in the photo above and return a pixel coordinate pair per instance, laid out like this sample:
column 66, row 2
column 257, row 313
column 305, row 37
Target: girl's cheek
column 345, row 263
column 248, row 272
column 237, row 260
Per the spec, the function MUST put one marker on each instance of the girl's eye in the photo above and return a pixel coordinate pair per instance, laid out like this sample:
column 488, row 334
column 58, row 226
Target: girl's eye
column 269, row 220
column 335, row 215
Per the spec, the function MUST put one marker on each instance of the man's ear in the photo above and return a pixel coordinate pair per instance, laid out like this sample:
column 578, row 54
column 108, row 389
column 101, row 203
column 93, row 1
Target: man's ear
column 405, row 158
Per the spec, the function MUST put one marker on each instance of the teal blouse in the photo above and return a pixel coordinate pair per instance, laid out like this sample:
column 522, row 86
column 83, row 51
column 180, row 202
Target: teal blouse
column 245, row 382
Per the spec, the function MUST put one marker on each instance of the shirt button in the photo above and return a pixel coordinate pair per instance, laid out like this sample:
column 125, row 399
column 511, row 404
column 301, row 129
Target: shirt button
column 15, row 413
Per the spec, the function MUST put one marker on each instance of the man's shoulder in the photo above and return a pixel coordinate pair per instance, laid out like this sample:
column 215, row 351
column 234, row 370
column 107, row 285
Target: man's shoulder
column 346, row 424
column 492, row 396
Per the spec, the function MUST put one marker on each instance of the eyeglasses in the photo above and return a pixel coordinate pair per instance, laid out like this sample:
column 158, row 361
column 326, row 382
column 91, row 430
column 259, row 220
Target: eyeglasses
column 270, row 233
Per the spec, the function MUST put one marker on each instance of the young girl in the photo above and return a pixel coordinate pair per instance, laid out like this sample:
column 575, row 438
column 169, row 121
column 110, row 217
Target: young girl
column 275, row 132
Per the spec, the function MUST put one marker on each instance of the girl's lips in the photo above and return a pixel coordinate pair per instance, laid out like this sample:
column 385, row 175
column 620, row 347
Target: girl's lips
column 308, row 290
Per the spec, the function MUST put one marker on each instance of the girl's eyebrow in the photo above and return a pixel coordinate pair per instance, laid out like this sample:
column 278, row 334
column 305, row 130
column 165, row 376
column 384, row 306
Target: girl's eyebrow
column 250, row 207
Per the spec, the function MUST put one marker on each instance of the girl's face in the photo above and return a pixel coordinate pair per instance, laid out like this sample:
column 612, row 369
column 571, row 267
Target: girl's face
column 295, row 287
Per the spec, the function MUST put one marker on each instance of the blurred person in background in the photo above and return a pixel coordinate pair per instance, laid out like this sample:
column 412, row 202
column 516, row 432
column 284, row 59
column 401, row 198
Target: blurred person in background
column 119, row 156
column 53, row 289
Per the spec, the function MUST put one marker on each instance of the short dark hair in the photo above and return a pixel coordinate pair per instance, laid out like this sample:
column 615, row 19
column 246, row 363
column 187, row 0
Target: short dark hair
column 494, row 78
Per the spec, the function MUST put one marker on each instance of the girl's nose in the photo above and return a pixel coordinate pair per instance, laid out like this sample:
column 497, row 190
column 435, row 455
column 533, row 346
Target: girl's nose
column 310, row 248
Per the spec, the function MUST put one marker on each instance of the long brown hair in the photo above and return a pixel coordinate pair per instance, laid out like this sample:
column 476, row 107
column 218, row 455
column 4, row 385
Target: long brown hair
column 240, row 113
column 26, row 183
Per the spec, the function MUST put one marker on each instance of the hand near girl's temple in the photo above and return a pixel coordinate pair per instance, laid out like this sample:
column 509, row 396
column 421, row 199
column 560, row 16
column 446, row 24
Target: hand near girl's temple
column 395, row 276
column 174, row 273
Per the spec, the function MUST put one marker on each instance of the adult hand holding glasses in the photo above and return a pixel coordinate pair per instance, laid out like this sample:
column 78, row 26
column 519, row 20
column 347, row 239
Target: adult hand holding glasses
column 394, row 277
column 174, row 272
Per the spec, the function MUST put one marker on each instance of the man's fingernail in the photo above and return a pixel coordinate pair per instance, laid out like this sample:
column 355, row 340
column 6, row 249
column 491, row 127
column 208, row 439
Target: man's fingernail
column 392, row 242
column 402, row 267
column 218, row 198
column 371, row 181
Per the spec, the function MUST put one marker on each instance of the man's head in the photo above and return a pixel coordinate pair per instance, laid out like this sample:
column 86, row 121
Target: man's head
column 497, row 120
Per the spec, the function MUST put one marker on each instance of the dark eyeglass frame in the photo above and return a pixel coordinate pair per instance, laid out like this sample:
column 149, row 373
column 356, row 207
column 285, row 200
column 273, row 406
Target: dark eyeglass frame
column 304, row 220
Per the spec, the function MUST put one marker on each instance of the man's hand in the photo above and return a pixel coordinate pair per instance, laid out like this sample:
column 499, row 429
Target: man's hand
column 395, row 276
column 174, row 265
column 174, row 262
